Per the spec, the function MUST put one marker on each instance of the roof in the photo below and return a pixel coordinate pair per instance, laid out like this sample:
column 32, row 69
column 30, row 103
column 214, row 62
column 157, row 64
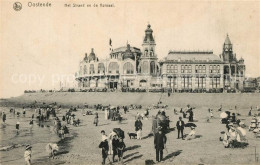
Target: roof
column 124, row 48
column 206, row 56
column 227, row 41
column 148, row 34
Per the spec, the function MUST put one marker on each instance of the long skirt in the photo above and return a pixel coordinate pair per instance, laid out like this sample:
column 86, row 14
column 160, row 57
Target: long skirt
column 139, row 134
column 110, row 150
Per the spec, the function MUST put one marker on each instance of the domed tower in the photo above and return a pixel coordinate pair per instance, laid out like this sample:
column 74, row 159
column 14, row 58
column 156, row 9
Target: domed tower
column 148, row 63
column 92, row 56
column 227, row 53
column 86, row 57
column 129, row 53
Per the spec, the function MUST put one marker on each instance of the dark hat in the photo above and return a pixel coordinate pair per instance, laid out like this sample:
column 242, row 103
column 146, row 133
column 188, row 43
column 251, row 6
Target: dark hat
column 28, row 147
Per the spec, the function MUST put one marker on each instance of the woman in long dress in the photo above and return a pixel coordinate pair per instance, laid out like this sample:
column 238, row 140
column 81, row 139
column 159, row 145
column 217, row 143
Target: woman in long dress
column 106, row 114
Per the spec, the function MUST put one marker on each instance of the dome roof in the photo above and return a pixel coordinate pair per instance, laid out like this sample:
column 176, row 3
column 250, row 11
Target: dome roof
column 86, row 57
column 148, row 34
column 92, row 55
column 128, row 53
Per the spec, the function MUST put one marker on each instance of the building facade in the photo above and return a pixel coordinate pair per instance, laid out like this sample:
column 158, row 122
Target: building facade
column 180, row 71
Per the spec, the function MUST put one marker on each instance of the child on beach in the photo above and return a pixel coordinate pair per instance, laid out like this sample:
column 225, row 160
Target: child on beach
column 121, row 147
column 104, row 147
column 28, row 154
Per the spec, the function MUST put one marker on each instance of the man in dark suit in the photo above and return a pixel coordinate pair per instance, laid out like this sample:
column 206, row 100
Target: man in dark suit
column 180, row 127
column 159, row 144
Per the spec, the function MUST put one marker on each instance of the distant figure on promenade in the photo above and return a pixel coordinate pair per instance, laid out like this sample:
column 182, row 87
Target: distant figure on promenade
column 28, row 154
column 159, row 144
column 180, row 127
column 4, row 117
column 24, row 111
column 138, row 128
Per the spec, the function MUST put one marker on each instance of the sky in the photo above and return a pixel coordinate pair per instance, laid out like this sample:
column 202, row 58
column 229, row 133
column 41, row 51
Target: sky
column 42, row 46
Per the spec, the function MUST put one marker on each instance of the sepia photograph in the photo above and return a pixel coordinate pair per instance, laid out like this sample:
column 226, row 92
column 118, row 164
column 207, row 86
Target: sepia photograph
column 129, row 82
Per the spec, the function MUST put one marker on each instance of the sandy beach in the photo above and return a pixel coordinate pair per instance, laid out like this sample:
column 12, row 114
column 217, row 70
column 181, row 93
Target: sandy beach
column 82, row 145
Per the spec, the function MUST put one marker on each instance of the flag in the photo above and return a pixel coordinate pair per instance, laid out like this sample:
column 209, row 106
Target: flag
column 110, row 42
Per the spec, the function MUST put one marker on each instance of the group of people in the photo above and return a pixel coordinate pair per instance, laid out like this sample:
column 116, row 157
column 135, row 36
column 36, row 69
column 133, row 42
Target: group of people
column 112, row 145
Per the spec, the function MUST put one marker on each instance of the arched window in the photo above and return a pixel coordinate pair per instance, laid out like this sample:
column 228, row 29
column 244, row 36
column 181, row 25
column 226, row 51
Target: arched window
column 113, row 67
column 128, row 68
column 101, row 68
column 146, row 52
column 152, row 67
column 85, row 69
column 145, row 67
column 91, row 69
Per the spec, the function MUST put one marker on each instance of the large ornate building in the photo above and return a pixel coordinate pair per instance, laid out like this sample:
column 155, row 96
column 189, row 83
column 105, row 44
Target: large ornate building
column 131, row 67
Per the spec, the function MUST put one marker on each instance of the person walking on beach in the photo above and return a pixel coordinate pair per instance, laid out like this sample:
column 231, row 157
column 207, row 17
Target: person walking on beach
column 191, row 115
column 120, row 148
column 96, row 119
column 24, row 112
column 4, row 117
column 17, row 126
column 180, row 127
column 115, row 142
column 159, row 144
column 31, row 124
column 111, row 137
column 28, row 154
column 104, row 147
column 138, row 128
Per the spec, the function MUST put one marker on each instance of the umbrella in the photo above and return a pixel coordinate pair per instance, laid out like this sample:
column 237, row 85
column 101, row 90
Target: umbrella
column 241, row 130
column 223, row 115
column 190, row 125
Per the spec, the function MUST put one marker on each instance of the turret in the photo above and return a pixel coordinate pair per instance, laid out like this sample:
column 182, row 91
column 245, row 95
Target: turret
column 227, row 50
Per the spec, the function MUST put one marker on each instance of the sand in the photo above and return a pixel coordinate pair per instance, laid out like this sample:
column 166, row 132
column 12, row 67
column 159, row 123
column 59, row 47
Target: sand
column 82, row 148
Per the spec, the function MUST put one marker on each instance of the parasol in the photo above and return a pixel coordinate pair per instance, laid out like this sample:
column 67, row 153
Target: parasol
column 223, row 115
column 190, row 125
column 241, row 130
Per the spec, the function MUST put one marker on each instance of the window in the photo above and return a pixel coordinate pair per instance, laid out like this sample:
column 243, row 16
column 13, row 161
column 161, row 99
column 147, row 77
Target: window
column 186, row 82
column 200, row 82
column 113, row 67
column 214, row 82
column 101, row 68
column 214, row 69
column 200, row 69
column 186, row 69
column 128, row 68
column 91, row 69
column 172, row 69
